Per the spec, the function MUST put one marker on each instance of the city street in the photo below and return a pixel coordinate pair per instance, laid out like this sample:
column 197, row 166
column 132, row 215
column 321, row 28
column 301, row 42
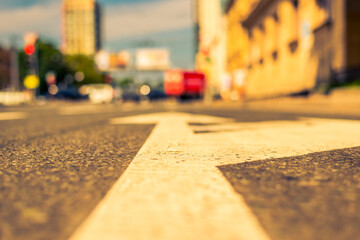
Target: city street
column 180, row 120
column 277, row 169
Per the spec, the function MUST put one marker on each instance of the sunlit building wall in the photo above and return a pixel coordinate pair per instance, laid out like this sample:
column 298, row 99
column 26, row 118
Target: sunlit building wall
column 195, row 15
column 290, row 46
column 81, row 27
column 212, row 43
column 238, row 44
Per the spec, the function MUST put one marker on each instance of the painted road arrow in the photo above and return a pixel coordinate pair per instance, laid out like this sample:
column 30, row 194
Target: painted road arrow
column 173, row 189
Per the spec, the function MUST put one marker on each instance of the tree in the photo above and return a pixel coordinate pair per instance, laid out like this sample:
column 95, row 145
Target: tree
column 86, row 65
column 49, row 59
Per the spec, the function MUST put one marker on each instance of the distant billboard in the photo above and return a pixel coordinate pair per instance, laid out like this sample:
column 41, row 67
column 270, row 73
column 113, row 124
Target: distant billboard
column 120, row 60
column 112, row 61
column 152, row 59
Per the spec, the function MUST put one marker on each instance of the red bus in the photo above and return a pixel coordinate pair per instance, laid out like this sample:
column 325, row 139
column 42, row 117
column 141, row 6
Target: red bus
column 184, row 84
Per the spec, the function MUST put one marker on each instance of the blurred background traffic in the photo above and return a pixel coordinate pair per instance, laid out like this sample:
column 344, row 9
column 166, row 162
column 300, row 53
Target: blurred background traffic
column 120, row 50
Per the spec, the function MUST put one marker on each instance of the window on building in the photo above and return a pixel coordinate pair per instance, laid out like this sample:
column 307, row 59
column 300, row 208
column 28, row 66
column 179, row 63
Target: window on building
column 250, row 34
column 322, row 3
column 296, row 3
column 276, row 17
column 261, row 27
column 293, row 46
column 274, row 55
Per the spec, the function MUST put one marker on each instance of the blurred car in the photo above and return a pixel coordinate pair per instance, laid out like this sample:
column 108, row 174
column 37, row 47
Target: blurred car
column 98, row 93
column 156, row 94
column 71, row 93
column 130, row 96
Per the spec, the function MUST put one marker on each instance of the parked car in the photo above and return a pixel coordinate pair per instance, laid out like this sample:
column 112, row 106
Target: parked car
column 71, row 93
column 98, row 93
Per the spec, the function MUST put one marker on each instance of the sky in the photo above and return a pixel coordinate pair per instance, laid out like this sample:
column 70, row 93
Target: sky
column 126, row 24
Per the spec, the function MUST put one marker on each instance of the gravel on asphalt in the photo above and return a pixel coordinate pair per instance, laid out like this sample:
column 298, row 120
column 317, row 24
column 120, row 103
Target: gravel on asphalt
column 49, row 184
column 313, row 197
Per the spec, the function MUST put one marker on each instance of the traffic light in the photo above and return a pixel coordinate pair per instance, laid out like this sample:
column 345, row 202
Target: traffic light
column 31, row 81
column 29, row 49
column 30, row 57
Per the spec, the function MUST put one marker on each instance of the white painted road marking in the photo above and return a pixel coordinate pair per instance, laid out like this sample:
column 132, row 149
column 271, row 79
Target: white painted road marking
column 12, row 115
column 103, row 108
column 173, row 190
column 83, row 109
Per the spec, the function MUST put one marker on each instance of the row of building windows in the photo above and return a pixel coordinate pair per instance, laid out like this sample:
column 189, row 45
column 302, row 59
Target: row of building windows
column 292, row 47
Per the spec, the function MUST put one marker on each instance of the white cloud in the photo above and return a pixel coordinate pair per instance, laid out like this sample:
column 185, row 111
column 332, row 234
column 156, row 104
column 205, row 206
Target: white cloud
column 43, row 19
column 139, row 19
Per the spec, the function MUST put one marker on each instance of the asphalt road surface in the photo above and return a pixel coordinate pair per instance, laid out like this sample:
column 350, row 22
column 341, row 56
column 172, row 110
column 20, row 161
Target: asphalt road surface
column 169, row 171
column 313, row 196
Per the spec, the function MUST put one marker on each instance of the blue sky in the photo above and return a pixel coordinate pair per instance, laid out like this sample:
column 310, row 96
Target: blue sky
column 126, row 24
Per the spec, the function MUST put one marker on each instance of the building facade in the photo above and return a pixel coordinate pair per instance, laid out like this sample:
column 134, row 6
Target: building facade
column 238, row 45
column 5, row 68
column 292, row 46
column 81, row 27
column 210, row 58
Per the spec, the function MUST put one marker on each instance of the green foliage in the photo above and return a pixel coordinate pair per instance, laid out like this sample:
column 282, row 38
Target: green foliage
column 85, row 64
column 354, row 83
column 126, row 82
column 22, row 65
column 48, row 59
column 51, row 59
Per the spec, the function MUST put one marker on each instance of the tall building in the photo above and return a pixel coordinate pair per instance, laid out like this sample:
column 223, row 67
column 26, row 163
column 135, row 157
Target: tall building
column 81, row 27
